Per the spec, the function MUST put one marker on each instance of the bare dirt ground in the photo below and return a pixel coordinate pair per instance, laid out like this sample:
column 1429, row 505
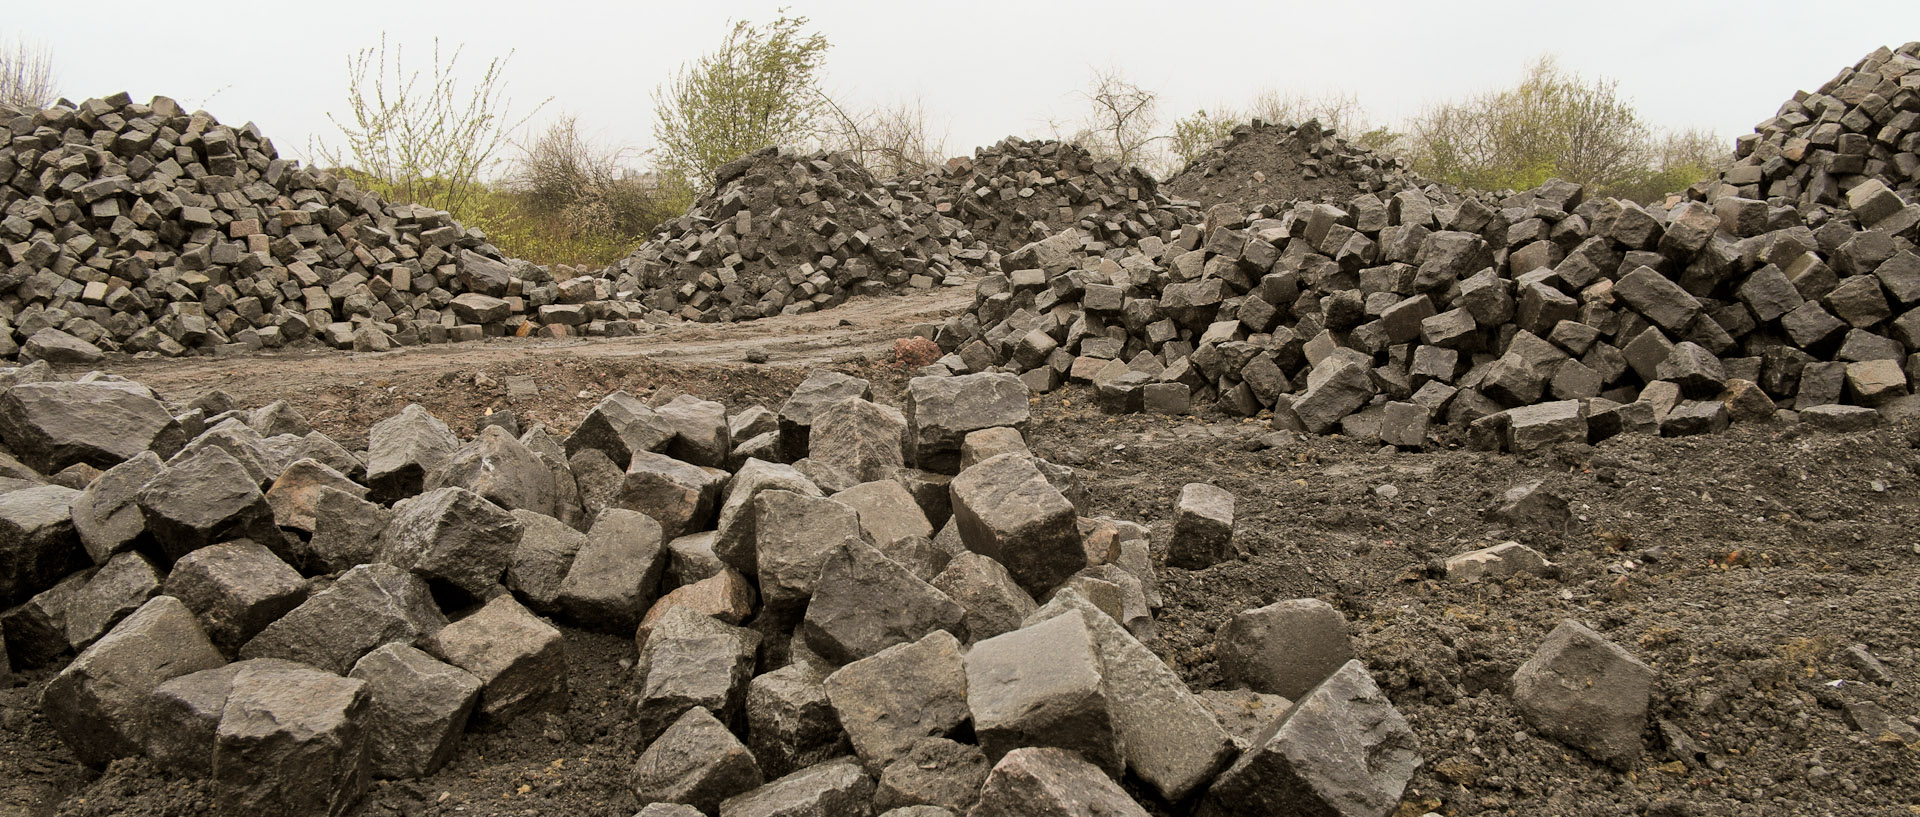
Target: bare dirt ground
column 1740, row 567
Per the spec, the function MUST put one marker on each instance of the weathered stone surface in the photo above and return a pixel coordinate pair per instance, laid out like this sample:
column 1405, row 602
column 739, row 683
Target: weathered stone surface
column 54, row 424
column 366, row 607
column 734, row 542
column 619, row 427
column 418, row 707
column 520, row 660
column 112, row 593
column 263, row 462
column 107, row 515
column 403, row 450
column 55, row 346
column 1167, row 735
column 297, row 490
column 893, row 698
column 1284, row 648
column 940, row 411
column 279, row 417
column 888, row 514
column 1336, row 388
column 1341, row 750
column 794, row 535
column 987, row 443
column 1587, row 692
column 292, row 740
column 452, row 535
column 821, row 389
column 1531, row 504
column 1530, row 428
column 204, row 499
column 1040, row 686
column 1007, row 510
column 933, row 772
column 691, row 660
column 679, row 495
column 38, row 545
column 502, row 470
column 865, row 440
column 696, row 762
column 99, row 704
column 700, row 432
column 865, row 603
column 790, row 721
column 346, row 532
column 1661, row 300
column 726, row 596
column 542, row 560
column 36, row 630
column 185, row 713
column 1244, row 713
column 1045, row 782
column 827, row 790
column 616, row 575
column 690, row 558
column 1497, row 562
column 993, row 601
column 1202, row 527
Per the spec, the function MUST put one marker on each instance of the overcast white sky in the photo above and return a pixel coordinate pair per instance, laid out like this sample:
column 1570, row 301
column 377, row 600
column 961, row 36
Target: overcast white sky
column 983, row 70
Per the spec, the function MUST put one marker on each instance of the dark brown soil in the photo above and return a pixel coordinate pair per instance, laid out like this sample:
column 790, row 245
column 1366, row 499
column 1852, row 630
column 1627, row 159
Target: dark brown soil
column 1738, row 566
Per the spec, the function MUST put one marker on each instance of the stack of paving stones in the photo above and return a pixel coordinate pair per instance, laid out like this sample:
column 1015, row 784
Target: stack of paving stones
column 787, row 233
column 1261, row 162
column 838, row 607
column 143, row 228
column 1549, row 317
column 1861, row 126
column 1019, row 191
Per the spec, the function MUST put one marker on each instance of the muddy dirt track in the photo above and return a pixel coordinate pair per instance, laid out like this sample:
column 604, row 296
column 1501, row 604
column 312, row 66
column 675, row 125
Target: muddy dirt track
column 1741, row 567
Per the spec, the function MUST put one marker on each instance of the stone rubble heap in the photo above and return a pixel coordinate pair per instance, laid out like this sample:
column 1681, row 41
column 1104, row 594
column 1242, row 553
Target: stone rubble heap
column 1261, row 162
column 1544, row 318
column 785, row 233
column 1019, row 191
column 1864, row 124
column 141, row 227
column 840, row 607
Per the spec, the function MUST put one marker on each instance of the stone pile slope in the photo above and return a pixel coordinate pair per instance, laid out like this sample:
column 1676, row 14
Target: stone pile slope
column 141, row 227
column 1019, row 191
column 1551, row 317
column 839, row 607
column 1864, row 124
column 1260, row 163
column 784, row 232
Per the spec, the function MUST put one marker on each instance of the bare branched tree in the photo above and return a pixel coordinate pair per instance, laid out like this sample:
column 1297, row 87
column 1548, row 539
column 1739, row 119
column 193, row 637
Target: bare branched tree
column 26, row 76
column 1122, row 118
column 890, row 141
column 1339, row 110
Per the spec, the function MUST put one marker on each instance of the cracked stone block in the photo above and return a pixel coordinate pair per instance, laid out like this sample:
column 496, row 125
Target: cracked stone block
column 98, row 705
column 1587, row 692
column 1342, row 749
column 291, row 740
column 893, row 698
column 366, row 607
column 452, row 535
column 1007, row 510
column 1284, row 648
column 519, row 658
column 1040, row 686
column 418, row 708
column 696, row 762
